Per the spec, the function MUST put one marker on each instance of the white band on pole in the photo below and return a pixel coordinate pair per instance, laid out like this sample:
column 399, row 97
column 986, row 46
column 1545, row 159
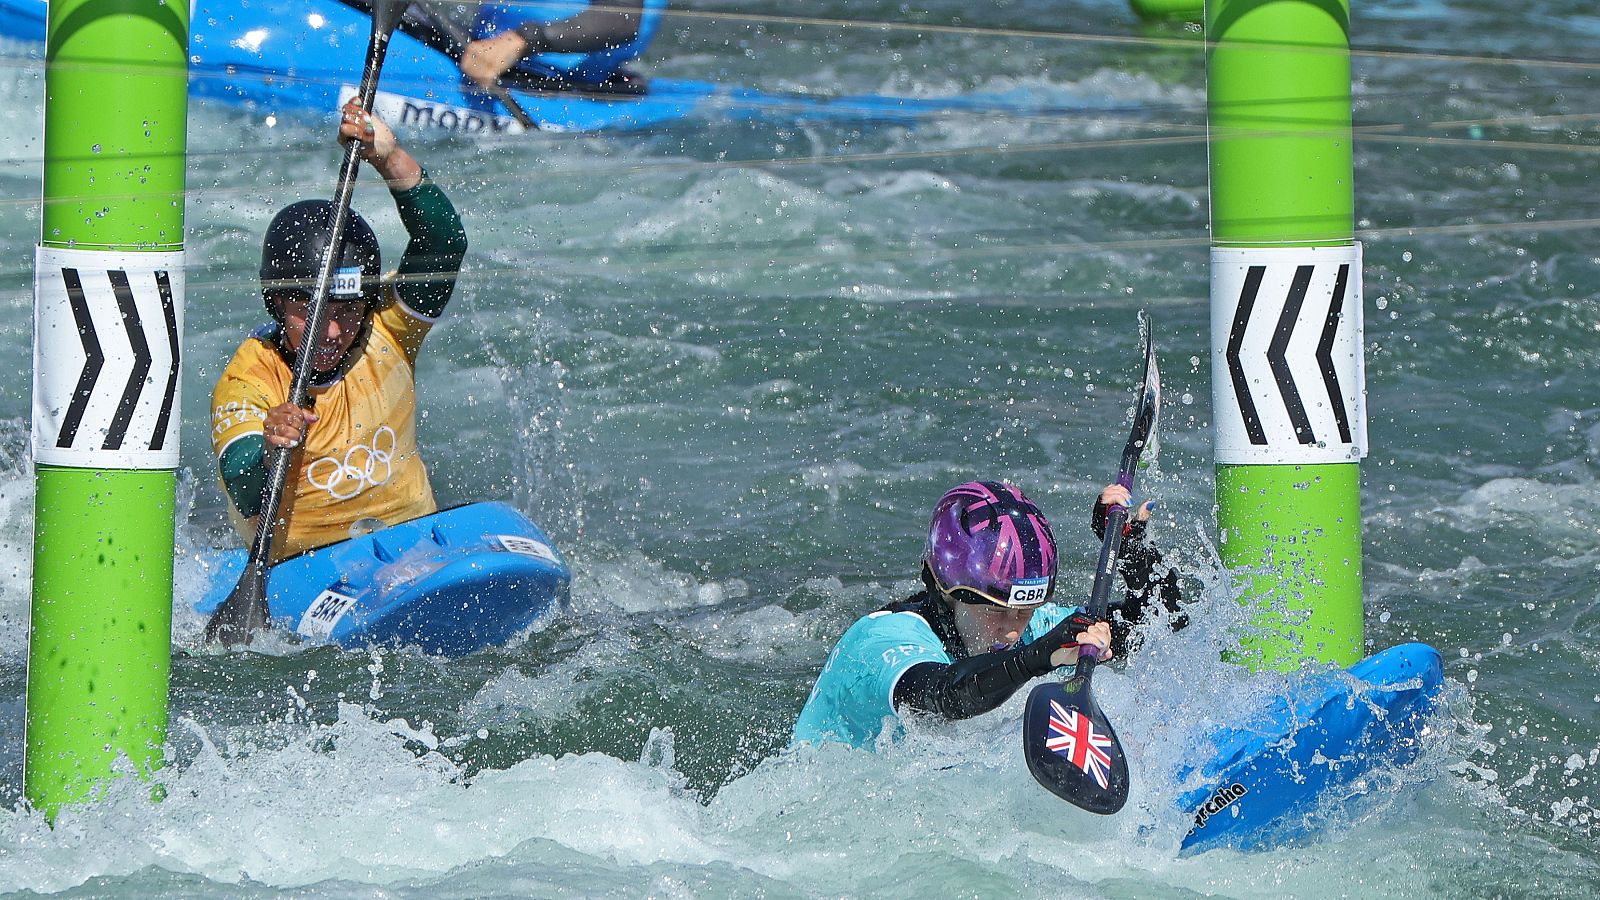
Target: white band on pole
column 1288, row 376
column 106, row 351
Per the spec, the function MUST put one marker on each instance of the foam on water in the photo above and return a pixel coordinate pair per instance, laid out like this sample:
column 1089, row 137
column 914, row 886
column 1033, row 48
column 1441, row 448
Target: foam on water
column 16, row 537
column 366, row 799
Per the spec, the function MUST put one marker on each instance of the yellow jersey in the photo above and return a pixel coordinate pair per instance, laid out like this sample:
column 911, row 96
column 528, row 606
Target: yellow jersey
column 360, row 458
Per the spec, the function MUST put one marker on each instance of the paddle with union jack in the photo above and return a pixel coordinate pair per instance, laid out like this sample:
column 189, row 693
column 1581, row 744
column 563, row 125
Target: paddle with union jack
column 1069, row 744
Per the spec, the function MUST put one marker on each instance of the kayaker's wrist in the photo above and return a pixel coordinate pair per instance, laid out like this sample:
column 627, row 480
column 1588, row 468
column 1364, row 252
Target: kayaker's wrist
column 399, row 169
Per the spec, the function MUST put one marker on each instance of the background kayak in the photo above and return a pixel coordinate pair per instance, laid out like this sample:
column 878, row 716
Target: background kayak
column 729, row 366
column 278, row 58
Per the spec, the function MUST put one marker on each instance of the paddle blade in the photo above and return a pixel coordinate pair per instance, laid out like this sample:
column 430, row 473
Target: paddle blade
column 1149, row 409
column 244, row 613
column 1071, row 748
column 1146, row 412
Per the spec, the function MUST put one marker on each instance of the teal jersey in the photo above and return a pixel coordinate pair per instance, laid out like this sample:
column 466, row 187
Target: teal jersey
column 853, row 700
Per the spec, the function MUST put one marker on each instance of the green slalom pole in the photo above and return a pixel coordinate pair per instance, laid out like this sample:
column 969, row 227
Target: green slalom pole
column 108, row 299
column 1287, row 364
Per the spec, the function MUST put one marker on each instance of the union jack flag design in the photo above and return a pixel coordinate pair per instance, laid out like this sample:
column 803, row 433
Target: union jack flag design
column 1073, row 736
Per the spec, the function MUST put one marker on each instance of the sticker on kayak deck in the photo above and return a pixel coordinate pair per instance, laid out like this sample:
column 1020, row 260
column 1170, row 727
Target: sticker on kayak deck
column 1221, row 800
column 1288, row 378
column 527, row 547
column 106, row 354
column 411, row 112
column 1074, row 737
column 324, row 613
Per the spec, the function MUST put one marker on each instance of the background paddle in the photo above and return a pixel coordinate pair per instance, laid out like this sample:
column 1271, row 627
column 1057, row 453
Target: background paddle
column 457, row 40
column 245, row 611
column 1069, row 744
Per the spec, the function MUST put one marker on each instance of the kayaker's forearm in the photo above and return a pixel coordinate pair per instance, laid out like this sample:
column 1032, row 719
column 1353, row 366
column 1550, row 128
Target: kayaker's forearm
column 244, row 473
column 970, row 687
column 400, row 170
column 612, row 25
column 427, row 272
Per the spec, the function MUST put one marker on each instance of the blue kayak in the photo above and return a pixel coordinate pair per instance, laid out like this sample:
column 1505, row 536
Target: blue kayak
column 457, row 581
column 276, row 57
column 1269, row 776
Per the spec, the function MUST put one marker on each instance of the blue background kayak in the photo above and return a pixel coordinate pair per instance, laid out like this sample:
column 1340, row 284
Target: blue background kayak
column 284, row 56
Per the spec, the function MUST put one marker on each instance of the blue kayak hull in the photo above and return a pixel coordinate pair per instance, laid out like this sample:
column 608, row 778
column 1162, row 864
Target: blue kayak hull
column 451, row 583
column 276, row 57
column 1268, row 777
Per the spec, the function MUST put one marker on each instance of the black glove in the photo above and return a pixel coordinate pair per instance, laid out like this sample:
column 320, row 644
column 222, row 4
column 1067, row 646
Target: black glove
column 1035, row 657
column 1144, row 588
column 1138, row 566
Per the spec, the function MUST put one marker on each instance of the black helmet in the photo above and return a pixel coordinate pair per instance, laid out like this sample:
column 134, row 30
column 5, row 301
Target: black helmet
column 291, row 253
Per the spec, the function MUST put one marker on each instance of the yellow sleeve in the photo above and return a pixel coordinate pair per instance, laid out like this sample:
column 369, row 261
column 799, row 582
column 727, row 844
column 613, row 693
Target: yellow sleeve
column 406, row 325
column 254, row 381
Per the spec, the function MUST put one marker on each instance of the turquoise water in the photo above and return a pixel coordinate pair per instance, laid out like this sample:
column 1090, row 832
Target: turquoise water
column 729, row 367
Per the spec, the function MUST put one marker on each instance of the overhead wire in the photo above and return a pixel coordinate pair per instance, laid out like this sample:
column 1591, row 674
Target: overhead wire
column 696, row 261
column 929, row 28
column 1026, row 113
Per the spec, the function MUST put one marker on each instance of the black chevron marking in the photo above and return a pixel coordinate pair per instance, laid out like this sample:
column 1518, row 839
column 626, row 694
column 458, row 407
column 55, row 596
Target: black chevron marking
column 93, row 359
column 169, row 312
column 1280, row 344
column 1330, row 377
column 118, row 430
column 1241, row 385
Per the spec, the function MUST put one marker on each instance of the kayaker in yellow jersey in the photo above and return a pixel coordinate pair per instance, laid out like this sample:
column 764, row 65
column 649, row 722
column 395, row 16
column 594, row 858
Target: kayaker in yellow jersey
column 357, row 453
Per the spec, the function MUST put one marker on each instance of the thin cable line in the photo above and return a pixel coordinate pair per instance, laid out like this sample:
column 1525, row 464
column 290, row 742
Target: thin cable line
column 1364, row 134
column 699, row 264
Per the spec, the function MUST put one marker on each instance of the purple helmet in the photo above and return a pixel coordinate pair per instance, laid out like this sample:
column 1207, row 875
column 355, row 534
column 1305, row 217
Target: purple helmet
column 988, row 543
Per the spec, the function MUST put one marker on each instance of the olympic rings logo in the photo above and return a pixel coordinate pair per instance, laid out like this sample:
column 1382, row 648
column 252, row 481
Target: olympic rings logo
column 362, row 467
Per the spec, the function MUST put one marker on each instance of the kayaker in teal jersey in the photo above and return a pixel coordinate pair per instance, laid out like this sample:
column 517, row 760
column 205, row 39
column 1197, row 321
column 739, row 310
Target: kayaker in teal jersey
column 982, row 626
column 570, row 42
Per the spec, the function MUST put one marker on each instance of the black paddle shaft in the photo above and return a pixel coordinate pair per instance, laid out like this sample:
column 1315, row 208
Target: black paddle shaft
column 1069, row 744
column 245, row 610
column 1144, row 421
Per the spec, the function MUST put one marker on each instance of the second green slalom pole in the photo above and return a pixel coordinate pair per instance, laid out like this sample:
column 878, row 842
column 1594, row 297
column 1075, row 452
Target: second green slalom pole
column 1286, row 350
